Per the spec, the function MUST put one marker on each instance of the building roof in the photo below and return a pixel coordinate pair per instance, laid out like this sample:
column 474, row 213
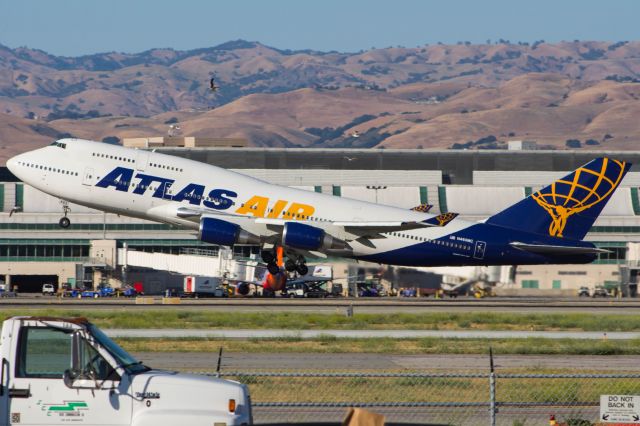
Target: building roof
column 457, row 166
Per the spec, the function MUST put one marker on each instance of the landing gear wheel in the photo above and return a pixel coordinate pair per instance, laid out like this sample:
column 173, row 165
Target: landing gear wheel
column 290, row 265
column 273, row 268
column 64, row 222
column 267, row 256
column 302, row 269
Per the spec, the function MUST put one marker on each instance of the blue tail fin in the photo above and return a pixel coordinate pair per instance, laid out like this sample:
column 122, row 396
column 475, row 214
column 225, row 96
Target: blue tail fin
column 569, row 206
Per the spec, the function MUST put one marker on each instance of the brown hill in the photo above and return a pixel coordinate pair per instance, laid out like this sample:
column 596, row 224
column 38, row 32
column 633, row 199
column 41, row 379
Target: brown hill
column 432, row 96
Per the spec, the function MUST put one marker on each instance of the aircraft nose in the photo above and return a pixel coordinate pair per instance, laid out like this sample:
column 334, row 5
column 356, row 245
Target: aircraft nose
column 12, row 163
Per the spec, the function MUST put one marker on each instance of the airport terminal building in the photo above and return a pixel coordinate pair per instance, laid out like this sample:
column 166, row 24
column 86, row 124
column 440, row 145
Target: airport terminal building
column 476, row 184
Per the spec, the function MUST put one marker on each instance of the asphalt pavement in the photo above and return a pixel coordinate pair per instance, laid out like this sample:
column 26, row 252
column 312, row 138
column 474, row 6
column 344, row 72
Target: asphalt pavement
column 384, row 305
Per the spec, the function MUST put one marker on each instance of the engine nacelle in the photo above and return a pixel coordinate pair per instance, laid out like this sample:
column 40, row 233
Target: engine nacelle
column 275, row 282
column 305, row 237
column 243, row 289
column 221, row 232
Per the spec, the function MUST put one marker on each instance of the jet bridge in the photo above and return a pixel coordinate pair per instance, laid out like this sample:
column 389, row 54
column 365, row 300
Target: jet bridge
column 194, row 262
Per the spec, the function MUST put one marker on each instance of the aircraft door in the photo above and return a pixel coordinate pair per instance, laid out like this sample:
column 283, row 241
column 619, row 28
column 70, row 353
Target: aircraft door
column 480, row 248
column 142, row 159
column 87, row 178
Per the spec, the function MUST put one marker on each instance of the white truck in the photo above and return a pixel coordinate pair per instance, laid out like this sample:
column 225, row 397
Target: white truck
column 195, row 286
column 61, row 371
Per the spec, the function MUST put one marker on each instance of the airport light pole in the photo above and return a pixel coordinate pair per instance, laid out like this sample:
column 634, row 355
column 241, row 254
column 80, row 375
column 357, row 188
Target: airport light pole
column 376, row 188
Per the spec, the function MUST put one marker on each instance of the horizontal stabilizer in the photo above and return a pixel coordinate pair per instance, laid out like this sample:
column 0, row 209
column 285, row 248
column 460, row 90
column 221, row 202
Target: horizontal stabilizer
column 557, row 250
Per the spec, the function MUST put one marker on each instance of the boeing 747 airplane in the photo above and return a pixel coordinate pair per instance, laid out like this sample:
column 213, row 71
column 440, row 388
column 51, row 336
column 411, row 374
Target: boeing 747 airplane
column 228, row 208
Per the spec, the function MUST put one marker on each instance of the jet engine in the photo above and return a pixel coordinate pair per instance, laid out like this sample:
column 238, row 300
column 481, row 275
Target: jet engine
column 305, row 237
column 243, row 289
column 275, row 282
column 221, row 232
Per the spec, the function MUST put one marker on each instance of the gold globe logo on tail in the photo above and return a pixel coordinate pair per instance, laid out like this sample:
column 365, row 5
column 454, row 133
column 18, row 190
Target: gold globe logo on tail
column 568, row 197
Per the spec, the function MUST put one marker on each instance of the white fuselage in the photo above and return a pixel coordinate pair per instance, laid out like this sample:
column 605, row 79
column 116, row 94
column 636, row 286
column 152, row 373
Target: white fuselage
column 151, row 185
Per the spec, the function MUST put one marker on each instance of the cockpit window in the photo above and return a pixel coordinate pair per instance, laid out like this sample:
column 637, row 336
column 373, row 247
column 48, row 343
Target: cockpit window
column 59, row 144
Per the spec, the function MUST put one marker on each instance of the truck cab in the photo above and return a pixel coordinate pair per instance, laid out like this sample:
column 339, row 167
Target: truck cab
column 59, row 370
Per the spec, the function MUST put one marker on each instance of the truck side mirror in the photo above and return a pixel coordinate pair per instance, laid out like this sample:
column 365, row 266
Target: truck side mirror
column 68, row 377
column 73, row 380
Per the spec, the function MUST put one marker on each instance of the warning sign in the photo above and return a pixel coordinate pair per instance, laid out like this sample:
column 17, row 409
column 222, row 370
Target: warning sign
column 620, row 408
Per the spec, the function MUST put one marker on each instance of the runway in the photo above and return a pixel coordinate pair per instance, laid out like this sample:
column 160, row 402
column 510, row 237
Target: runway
column 339, row 305
column 365, row 334
column 232, row 361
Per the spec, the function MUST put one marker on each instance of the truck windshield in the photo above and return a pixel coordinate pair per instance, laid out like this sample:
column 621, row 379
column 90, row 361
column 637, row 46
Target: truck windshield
column 124, row 359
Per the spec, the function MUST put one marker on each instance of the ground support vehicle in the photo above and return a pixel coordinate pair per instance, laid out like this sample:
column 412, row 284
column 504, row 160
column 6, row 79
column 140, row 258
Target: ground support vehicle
column 48, row 290
column 60, row 371
column 101, row 292
column 5, row 293
column 127, row 291
column 600, row 291
column 195, row 286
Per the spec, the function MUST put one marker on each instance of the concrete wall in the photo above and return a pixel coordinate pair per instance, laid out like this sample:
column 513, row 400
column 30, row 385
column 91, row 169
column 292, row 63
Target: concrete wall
column 571, row 277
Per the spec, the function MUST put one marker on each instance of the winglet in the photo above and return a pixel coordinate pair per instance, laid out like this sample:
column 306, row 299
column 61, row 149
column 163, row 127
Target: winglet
column 423, row 208
column 440, row 220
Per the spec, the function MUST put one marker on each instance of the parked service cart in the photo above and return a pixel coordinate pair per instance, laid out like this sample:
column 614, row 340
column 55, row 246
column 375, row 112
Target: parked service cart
column 57, row 370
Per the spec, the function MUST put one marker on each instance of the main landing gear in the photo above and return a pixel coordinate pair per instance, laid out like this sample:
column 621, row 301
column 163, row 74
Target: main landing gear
column 297, row 264
column 269, row 257
column 64, row 221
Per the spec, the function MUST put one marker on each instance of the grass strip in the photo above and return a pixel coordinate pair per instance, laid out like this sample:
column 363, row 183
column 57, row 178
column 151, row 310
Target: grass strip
column 208, row 319
column 559, row 391
column 329, row 344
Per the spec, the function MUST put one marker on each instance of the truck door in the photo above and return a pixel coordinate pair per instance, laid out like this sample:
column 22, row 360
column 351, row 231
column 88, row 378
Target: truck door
column 38, row 394
column 4, row 394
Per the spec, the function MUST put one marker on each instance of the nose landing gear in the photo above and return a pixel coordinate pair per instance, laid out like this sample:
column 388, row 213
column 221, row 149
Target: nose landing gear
column 64, row 221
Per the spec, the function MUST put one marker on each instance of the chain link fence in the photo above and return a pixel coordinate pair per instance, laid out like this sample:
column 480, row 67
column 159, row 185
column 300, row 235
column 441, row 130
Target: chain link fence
column 433, row 398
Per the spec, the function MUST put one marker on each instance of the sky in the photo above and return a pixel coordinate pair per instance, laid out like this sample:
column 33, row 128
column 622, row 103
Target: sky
column 78, row 27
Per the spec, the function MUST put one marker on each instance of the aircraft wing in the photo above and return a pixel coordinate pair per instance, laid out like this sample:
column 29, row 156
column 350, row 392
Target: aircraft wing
column 557, row 250
column 346, row 230
column 370, row 226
